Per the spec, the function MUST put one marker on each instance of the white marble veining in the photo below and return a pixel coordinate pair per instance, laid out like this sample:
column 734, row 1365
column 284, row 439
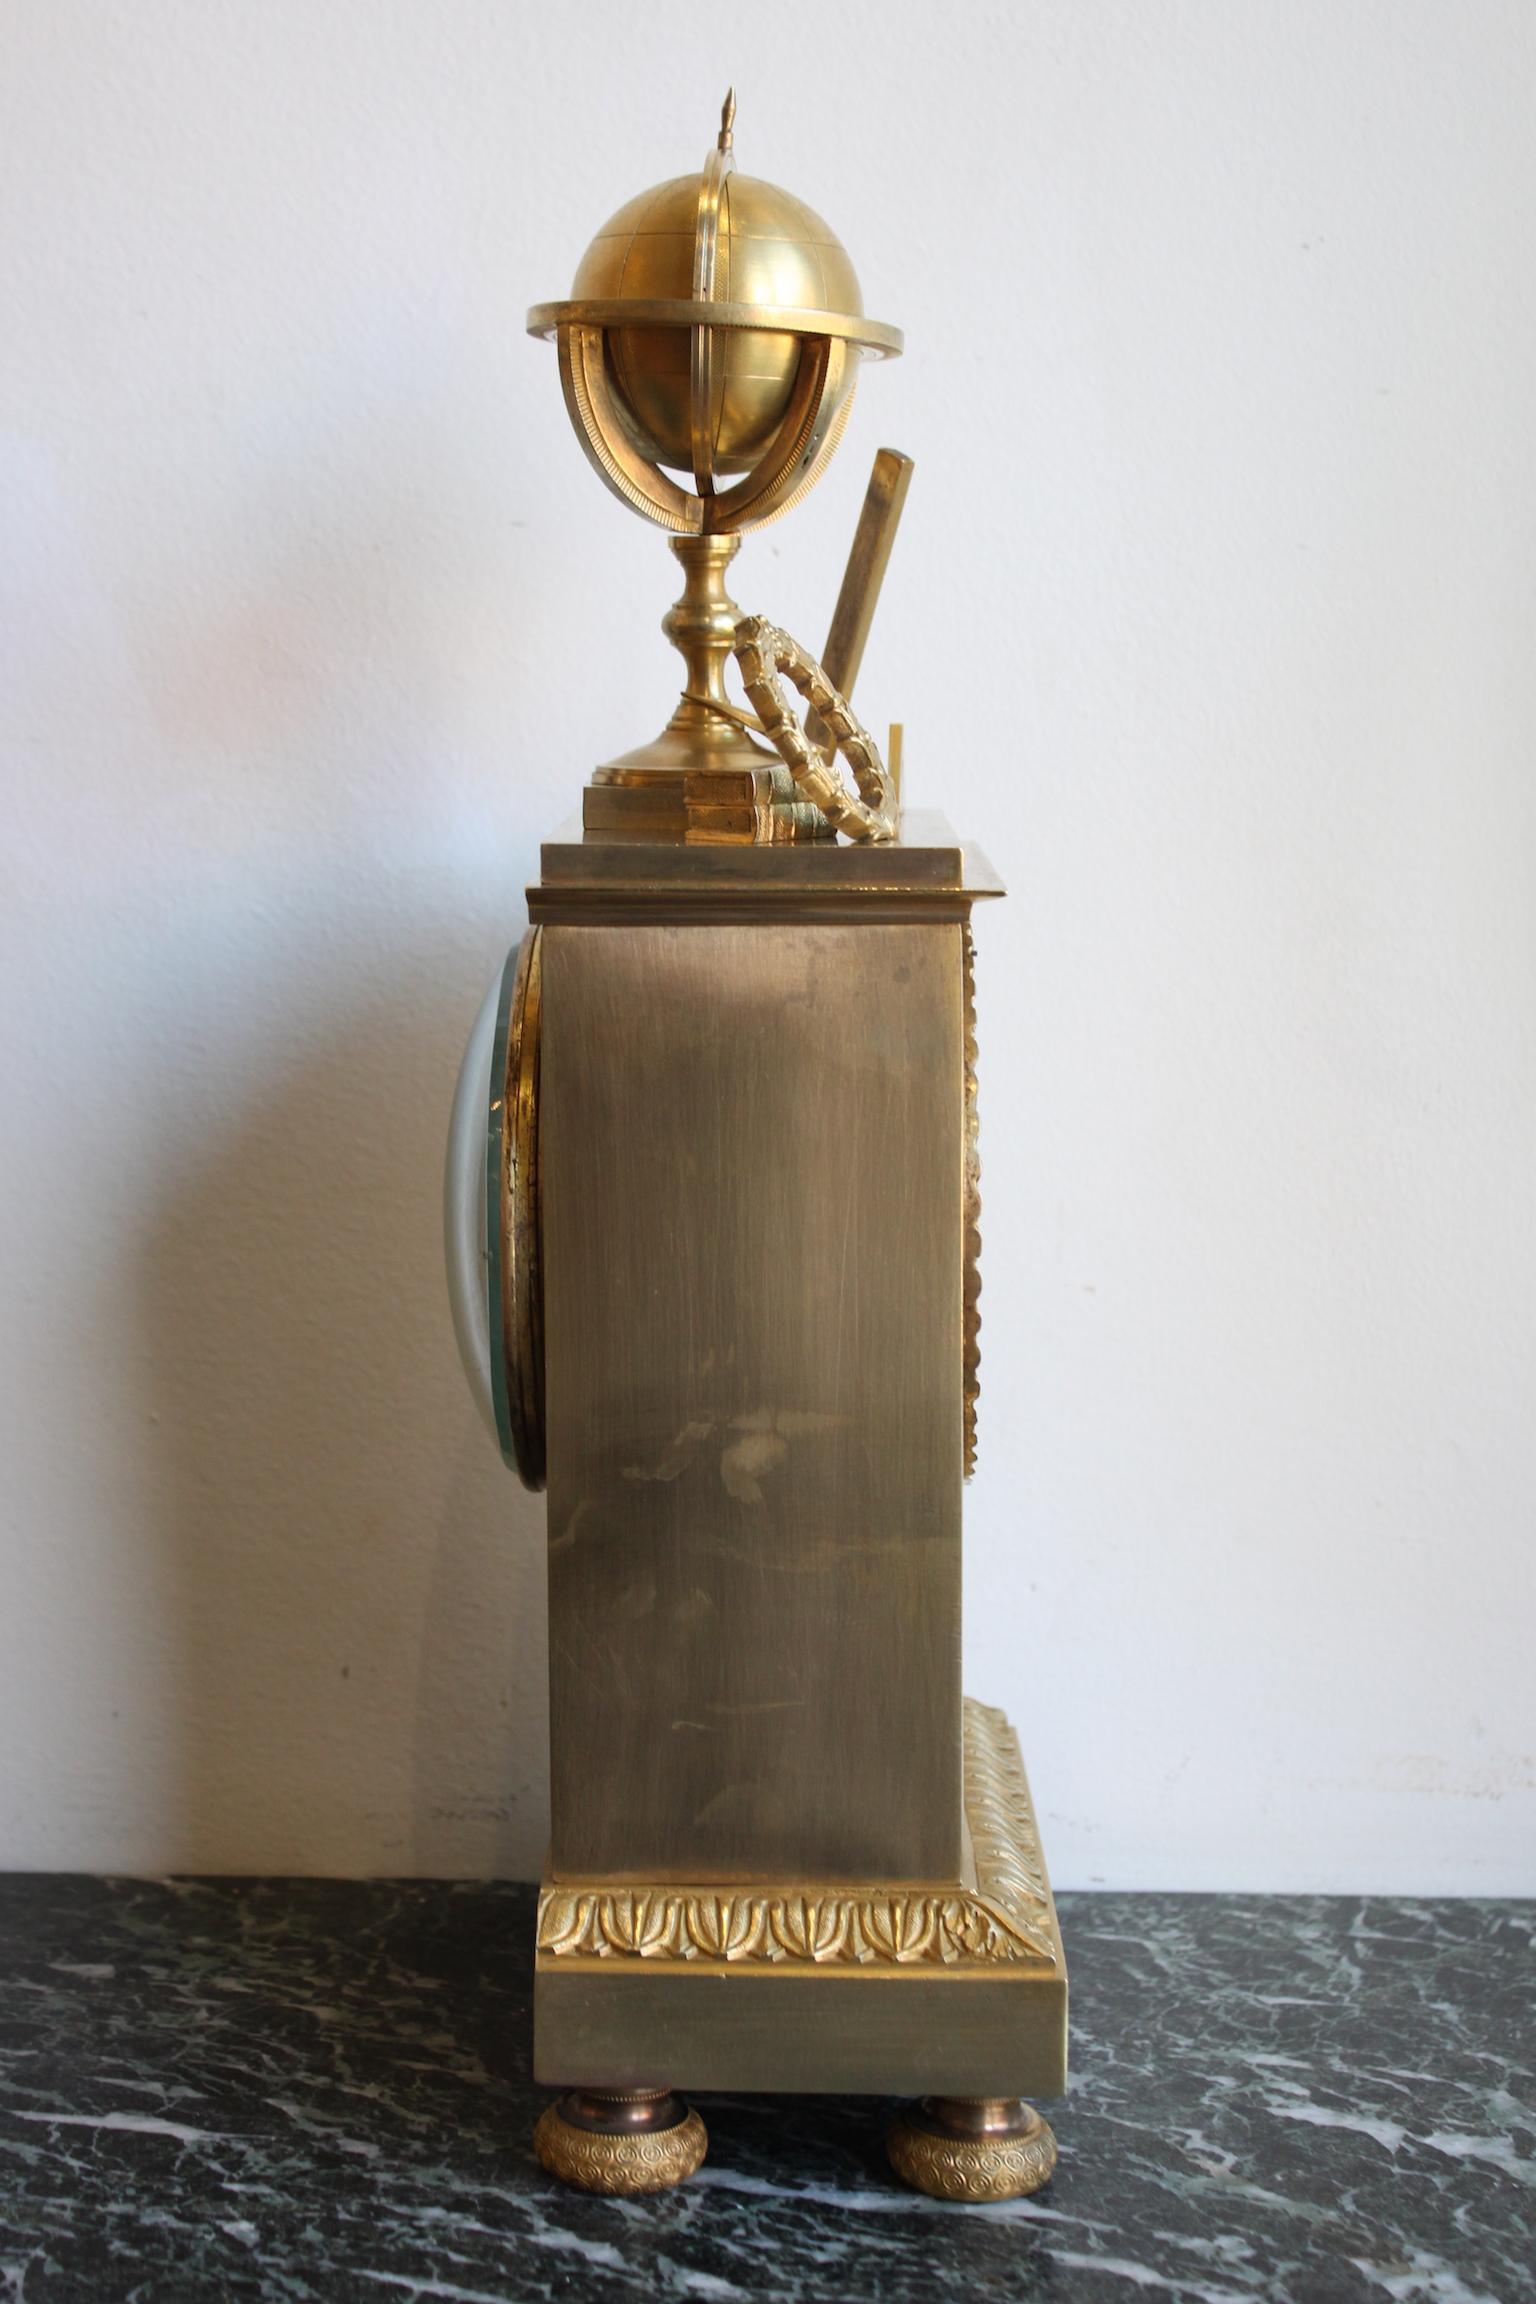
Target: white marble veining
column 319, row 2091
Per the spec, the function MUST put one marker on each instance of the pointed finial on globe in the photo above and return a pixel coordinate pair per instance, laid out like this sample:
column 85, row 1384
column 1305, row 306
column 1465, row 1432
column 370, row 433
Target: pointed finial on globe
column 713, row 330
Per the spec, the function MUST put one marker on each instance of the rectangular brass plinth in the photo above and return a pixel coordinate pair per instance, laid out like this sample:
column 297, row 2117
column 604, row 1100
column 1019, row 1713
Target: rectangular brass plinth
column 590, row 872
column 862, row 1988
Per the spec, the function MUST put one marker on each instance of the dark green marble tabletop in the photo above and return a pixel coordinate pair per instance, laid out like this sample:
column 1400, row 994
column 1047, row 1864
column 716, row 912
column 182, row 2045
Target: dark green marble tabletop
column 320, row 2089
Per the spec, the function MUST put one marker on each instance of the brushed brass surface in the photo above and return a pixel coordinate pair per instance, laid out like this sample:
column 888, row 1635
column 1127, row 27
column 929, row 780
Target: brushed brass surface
column 896, row 2032
column 752, row 1151
column 843, row 2032
column 995, row 2148
column 821, row 2005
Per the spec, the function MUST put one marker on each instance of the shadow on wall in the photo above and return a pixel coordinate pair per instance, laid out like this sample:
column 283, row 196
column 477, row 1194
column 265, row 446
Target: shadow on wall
column 357, row 1582
column 353, row 1582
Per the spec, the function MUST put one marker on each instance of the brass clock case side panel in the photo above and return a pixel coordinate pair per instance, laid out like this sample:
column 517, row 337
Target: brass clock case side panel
column 515, row 1230
column 971, row 1210
column 755, row 1482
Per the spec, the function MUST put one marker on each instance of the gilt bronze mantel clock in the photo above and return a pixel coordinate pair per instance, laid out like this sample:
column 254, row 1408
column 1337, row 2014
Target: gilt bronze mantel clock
column 712, row 1222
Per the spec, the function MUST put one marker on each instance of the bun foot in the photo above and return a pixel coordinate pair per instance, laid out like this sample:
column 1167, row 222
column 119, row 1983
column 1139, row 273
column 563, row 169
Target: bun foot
column 972, row 2148
column 645, row 2140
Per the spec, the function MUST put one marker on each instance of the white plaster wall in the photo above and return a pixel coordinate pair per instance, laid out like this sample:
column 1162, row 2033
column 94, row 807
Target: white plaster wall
column 1214, row 620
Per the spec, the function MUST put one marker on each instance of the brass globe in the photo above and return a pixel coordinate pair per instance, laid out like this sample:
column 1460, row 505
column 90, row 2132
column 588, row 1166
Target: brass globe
column 713, row 332
column 771, row 250
column 708, row 351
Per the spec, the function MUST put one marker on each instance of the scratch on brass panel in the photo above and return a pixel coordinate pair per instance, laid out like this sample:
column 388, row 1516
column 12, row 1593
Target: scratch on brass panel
column 746, row 1463
column 568, row 1534
column 763, row 1444
column 685, row 1447
column 740, row 1711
